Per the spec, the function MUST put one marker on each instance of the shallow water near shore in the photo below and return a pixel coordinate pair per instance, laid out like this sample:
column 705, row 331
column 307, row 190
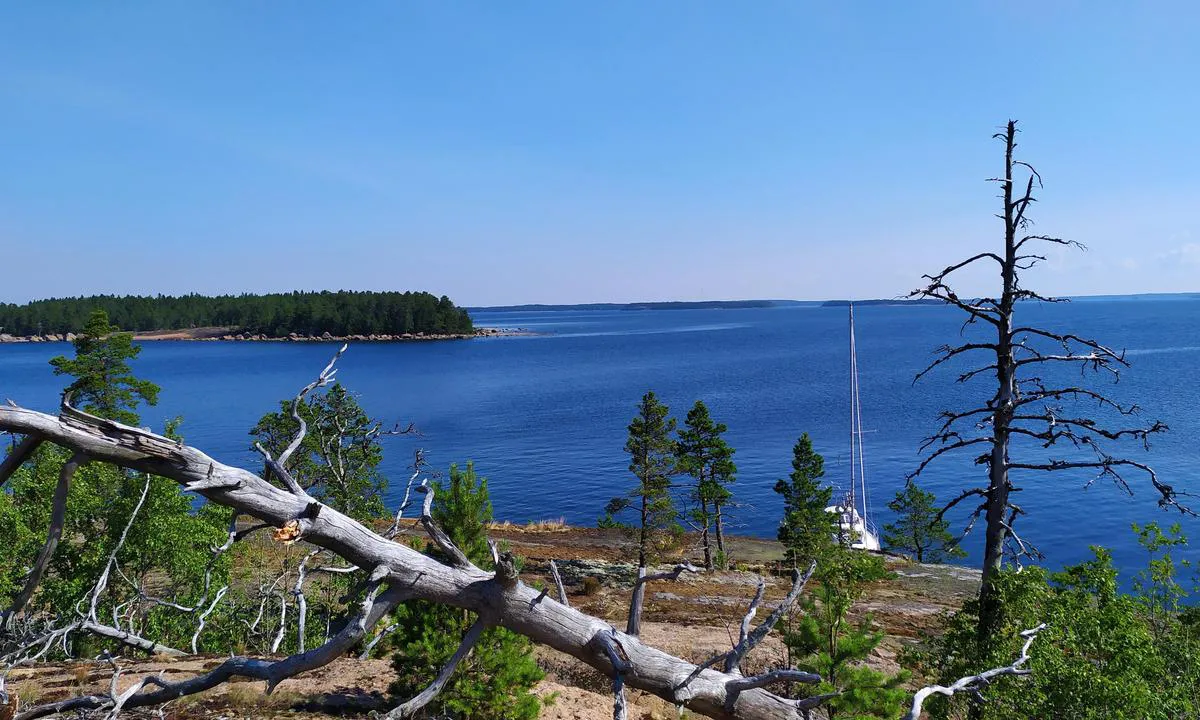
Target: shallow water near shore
column 544, row 416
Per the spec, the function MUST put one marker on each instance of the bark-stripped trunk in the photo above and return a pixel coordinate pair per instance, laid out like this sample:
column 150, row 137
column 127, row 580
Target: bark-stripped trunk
column 499, row 598
column 998, row 487
column 634, row 625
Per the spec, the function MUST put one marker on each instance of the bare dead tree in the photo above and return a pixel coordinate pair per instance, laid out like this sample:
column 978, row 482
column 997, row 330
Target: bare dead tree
column 1027, row 404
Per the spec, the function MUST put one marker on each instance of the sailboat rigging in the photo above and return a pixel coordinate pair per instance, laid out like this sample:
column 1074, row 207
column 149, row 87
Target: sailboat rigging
column 853, row 518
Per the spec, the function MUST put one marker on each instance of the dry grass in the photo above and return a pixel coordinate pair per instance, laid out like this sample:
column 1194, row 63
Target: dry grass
column 555, row 525
column 253, row 696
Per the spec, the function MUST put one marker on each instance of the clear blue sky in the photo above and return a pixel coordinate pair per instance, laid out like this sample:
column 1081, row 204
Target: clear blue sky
column 505, row 152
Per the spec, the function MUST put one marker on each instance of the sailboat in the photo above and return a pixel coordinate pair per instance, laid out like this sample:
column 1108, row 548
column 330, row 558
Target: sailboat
column 853, row 520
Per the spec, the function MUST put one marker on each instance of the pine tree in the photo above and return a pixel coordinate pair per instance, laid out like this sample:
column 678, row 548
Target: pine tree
column 104, row 385
column 338, row 460
column 806, row 531
column 704, row 454
column 918, row 530
column 495, row 679
column 464, row 510
column 827, row 643
column 171, row 538
column 652, row 461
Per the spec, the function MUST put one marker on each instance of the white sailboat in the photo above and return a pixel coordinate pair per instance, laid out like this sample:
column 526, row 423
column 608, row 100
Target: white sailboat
column 854, row 525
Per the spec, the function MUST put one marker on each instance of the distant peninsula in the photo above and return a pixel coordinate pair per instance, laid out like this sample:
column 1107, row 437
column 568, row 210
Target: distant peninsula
column 893, row 301
column 664, row 305
column 277, row 316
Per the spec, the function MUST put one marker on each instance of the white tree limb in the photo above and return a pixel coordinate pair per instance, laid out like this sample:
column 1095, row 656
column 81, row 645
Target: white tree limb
column 975, row 683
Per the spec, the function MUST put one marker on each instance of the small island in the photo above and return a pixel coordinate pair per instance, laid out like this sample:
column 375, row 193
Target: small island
column 295, row 316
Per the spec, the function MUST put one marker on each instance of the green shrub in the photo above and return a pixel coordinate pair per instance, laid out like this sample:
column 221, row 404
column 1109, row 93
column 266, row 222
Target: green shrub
column 494, row 681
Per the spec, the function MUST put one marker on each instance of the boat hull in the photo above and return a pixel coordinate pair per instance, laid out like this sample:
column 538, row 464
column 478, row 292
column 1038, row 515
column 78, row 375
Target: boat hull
column 852, row 530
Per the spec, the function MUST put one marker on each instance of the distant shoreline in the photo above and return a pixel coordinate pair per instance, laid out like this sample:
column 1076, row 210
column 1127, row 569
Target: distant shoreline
column 219, row 334
column 741, row 304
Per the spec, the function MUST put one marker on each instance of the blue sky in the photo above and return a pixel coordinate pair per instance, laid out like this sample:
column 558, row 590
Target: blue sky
column 576, row 152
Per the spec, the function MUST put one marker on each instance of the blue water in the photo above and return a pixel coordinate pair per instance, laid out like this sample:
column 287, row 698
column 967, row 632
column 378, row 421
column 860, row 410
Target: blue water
column 544, row 417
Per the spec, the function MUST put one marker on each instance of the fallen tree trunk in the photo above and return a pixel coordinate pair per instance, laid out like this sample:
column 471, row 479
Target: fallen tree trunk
column 498, row 598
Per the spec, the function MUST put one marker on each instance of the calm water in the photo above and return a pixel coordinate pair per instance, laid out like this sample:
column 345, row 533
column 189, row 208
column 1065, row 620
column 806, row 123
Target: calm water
column 544, row 417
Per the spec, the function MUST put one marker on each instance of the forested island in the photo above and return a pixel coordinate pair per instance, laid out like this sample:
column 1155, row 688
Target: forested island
column 275, row 315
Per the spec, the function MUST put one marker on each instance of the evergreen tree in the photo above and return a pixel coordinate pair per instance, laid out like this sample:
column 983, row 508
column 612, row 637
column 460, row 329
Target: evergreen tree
column 652, row 461
column 170, row 538
column 495, row 679
column 338, row 460
column 104, row 385
column 918, row 530
column 806, row 531
column 704, row 454
column 464, row 510
column 824, row 641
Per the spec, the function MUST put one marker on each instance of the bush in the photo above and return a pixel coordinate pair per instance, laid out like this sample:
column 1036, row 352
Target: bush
column 591, row 586
column 1103, row 654
column 493, row 682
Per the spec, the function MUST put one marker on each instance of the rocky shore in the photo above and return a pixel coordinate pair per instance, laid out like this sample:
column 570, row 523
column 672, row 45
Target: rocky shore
column 231, row 335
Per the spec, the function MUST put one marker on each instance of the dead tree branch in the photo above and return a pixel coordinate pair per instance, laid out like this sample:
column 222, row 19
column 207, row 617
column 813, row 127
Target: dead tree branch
column 634, row 625
column 20, row 453
column 426, row 696
column 975, row 684
column 499, row 598
column 558, row 583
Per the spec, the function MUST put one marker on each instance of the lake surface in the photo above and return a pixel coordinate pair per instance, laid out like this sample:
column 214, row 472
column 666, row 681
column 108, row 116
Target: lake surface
column 544, row 418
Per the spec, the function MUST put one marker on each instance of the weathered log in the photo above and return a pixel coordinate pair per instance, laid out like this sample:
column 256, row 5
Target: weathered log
column 409, row 574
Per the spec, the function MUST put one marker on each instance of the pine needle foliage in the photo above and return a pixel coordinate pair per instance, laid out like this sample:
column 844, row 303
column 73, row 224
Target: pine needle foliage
column 806, row 531
column 652, row 461
column 494, row 681
column 704, row 454
column 918, row 531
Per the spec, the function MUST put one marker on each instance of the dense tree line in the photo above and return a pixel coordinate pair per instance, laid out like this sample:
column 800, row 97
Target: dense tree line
column 277, row 314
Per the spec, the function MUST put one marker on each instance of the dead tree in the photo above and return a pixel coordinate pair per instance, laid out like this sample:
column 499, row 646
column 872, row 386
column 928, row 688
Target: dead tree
column 1027, row 403
column 394, row 573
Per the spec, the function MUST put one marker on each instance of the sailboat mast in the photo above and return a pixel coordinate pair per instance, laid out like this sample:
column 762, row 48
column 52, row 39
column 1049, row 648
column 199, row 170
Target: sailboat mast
column 853, row 407
column 856, row 431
